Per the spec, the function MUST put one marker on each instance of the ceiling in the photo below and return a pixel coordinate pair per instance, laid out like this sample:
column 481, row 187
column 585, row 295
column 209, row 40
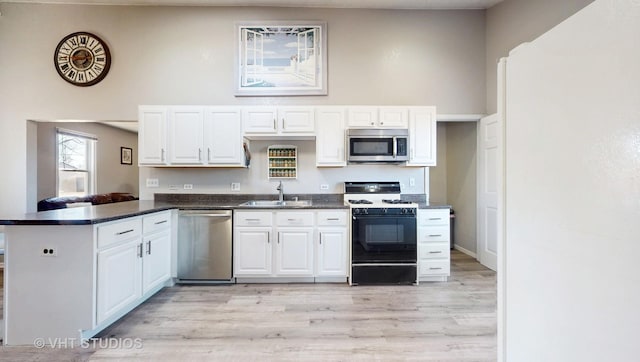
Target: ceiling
column 360, row 4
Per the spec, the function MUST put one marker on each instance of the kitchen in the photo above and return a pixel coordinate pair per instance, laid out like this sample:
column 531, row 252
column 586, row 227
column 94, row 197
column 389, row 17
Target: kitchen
column 156, row 93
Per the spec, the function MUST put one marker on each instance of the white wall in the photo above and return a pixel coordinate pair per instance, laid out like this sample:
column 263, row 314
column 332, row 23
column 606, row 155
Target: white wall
column 184, row 55
column 512, row 22
column 573, row 190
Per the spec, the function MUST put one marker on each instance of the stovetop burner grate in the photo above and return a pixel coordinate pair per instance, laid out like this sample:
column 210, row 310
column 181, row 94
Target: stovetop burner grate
column 359, row 202
column 396, row 201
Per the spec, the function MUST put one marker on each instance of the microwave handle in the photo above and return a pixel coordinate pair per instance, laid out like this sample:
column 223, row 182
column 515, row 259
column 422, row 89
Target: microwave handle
column 395, row 147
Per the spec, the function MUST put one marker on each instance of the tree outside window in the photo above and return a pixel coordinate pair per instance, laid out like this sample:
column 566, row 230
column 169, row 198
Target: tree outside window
column 76, row 163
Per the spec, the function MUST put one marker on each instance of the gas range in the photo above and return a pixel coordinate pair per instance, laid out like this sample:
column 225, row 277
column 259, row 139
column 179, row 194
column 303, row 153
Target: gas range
column 375, row 195
column 383, row 234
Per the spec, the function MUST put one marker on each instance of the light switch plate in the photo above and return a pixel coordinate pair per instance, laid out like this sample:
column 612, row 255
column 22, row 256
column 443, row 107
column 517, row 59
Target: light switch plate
column 235, row 186
column 153, row 182
column 188, row 186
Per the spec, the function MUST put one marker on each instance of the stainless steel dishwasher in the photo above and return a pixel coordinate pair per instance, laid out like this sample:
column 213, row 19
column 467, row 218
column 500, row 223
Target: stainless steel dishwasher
column 205, row 246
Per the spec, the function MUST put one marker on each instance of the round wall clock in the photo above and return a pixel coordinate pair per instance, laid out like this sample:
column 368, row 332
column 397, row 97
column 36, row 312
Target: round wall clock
column 82, row 59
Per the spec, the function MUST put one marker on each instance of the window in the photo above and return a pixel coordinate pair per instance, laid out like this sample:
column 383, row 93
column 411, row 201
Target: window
column 76, row 163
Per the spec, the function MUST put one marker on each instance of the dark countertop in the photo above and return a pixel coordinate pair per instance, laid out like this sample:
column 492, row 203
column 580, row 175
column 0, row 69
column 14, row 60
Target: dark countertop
column 108, row 212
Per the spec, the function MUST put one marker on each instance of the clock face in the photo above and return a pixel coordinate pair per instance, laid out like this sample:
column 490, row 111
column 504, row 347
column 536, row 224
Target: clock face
column 82, row 59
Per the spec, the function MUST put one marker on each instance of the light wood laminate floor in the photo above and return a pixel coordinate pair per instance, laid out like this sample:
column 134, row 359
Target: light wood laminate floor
column 452, row 321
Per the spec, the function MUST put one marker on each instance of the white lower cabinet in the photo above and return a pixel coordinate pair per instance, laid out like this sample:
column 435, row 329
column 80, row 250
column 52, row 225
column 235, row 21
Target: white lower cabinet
column 282, row 244
column 434, row 260
column 129, row 269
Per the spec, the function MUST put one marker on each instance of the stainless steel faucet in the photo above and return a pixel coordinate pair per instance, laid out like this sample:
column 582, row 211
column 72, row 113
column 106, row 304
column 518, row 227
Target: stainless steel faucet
column 281, row 195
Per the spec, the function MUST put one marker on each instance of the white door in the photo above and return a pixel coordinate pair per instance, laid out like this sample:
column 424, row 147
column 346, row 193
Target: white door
column 333, row 258
column 252, row 251
column 119, row 276
column 490, row 172
column 294, row 254
column 156, row 262
column 223, row 137
column 185, row 135
column 152, row 124
column 422, row 136
column 259, row 119
column 296, row 119
column 330, row 136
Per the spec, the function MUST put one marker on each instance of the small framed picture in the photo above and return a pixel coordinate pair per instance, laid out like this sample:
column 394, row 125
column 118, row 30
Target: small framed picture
column 126, row 156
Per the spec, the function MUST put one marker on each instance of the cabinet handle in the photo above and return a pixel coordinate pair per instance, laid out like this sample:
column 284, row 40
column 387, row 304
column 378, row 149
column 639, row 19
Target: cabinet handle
column 199, row 154
column 372, row 123
column 268, row 238
column 435, row 235
column 252, row 220
column 161, row 222
column 162, row 154
column 278, row 238
column 297, row 220
column 432, row 268
column 149, row 247
column 413, row 153
column 274, row 124
column 382, row 123
column 139, row 250
column 435, row 252
column 125, row 232
column 208, row 154
column 333, row 219
column 435, row 218
column 320, row 238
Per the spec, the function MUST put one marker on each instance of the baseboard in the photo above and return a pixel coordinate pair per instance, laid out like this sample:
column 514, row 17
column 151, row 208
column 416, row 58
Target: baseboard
column 463, row 250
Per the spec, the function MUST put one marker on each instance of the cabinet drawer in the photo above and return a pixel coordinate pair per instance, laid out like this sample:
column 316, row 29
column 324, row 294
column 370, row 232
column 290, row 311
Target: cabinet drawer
column 434, row 217
column 262, row 218
column 434, row 267
column 156, row 222
column 294, row 218
column 329, row 218
column 434, row 251
column 433, row 233
column 119, row 231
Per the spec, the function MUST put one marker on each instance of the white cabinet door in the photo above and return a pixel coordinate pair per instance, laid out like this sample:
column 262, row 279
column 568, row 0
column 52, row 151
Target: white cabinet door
column 330, row 136
column 296, row 120
column 260, row 119
column 185, row 135
column 156, row 261
column 393, row 117
column 252, row 251
column 152, row 131
column 363, row 117
column 422, row 136
column 119, row 278
column 223, row 136
column 333, row 254
column 294, row 255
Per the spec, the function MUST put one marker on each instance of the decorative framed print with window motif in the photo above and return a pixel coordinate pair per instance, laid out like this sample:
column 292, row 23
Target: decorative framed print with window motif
column 281, row 58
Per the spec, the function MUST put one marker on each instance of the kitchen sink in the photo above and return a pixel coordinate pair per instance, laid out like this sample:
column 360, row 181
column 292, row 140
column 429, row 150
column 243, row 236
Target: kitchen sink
column 276, row 203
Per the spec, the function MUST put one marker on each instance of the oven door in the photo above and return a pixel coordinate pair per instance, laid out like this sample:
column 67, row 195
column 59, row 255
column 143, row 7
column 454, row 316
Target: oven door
column 383, row 239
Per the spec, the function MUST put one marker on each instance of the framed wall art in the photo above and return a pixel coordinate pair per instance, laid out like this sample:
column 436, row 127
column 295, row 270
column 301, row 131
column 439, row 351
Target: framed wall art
column 126, row 156
column 281, row 58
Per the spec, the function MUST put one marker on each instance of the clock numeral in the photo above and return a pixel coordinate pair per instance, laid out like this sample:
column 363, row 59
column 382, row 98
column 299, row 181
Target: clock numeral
column 73, row 42
column 64, row 67
column 81, row 77
column 90, row 75
column 72, row 74
column 65, row 49
column 97, row 68
column 100, row 59
column 98, row 50
column 63, row 58
column 83, row 40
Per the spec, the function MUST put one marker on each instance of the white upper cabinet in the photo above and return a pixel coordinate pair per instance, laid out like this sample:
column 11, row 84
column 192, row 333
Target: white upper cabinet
column 185, row 135
column 422, row 136
column 223, row 136
column 192, row 136
column 378, row 117
column 152, row 131
column 330, row 137
column 287, row 121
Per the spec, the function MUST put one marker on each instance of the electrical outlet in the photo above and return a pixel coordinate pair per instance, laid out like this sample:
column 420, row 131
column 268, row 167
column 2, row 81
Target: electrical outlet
column 174, row 187
column 49, row 251
column 324, row 187
column 153, row 182
column 412, row 181
column 188, row 186
column 235, row 186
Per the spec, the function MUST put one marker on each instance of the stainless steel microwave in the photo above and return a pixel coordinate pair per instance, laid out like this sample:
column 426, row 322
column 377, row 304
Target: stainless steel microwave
column 378, row 145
